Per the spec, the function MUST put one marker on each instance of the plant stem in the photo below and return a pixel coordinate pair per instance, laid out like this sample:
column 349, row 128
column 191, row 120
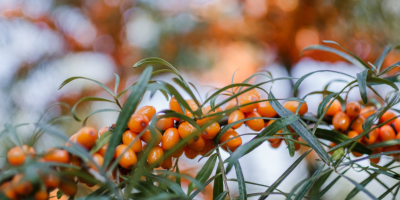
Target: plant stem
column 223, row 173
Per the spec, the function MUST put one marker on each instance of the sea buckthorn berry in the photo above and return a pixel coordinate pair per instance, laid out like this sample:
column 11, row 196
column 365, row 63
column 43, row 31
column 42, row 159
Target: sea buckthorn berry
column 102, row 150
column 164, row 123
column 334, row 108
column 42, row 194
column 103, row 130
column 373, row 136
column 376, row 151
column 170, row 138
column 68, row 187
column 398, row 136
column 167, row 163
column 357, row 124
column 209, row 145
column 234, row 140
column 341, row 121
column 51, row 181
column 353, row 134
column 72, row 140
column 274, row 140
column 253, row 92
column 198, row 145
column 208, row 110
column 246, row 100
column 87, row 137
column 292, row 106
column 297, row 145
column 148, row 137
column 174, row 105
column 265, row 109
column 391, row 148
column 386, row 133
column 276, row 144
column 148, row 111
column 236, row 116
column 353, row 109
column 186, row 129
column 57, row 155
column 387, row 116
column 8, row 190
column 254, row 124
column 127, row 139
column 178, row 153
column 211, row 131
column 21, row 186
column 138, row 122
column 75, row 161
column 98, row 159
column 397, row 124
column 231, row 104
column 367, row 111
column 128, row 156
column 17, row 155
column 155, row 156
column 190, row 153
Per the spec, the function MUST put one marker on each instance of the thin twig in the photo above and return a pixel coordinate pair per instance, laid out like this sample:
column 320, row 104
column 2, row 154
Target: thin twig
column 223, row 173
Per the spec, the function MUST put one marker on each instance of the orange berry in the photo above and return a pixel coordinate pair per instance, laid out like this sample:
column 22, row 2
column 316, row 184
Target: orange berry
column 198, row 145
column 253, row 92
column 51, row 180
column 174, row 105
column 103, row 149
column 68, row 187
column 233, row 142
column 155, row 156
column 292, row 106
column 341, row 121
column 75, row 161
column 72, row 140
column 148, row 111
column 190, row 153
column 164, row 123
column 21, row 187
column 208, row 110
column 265, row 109
column 128, row 156
column 367, row 111
column 357, row 124
column 170, row 138
column 211, row 131
column 254, row 124
column 178, row 153
column 127, row 139
column 246, row 100
column 138, row 122
column 387, row 116
column 376, row 151
column 41, row 195
column 334, row 108
column 231, row 104
column 274, row 140
column 98, row 159
column 57, row 155
column 8, row 190
column 353, row 109
column 353, row 134
column 276, row 144
column 148, row 137
column 297, row 145
column 209, row 145
column 186, row 129
column 236, row 116
column 103, row 130
column 167, row 163
column 386, row 133
column 391, row 148
column 87, row 137
column 397, row 124
column 17, row 155
column 373, row 136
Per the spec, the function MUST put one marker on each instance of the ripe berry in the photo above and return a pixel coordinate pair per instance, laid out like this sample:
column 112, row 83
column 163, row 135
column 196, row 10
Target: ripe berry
column 21, row 187
column 274, row 140
column 386, row 133
column 357, row 124
column 292, row 106
column 186, row 129
column 334, row 108
column 341, row 121
column 8, row 190
column 68, row 187
column 98, row 159
column 167, row 163
column 148, row 137
column 51, row 181
column 231, row 104
column 254, row 124
column 75, row 161
column 353, row 134
column 276, row 144
column 397, row 124
column 72, row 140
column 128, row 156
column 209, row 145
column 376, row 151
column 190, row 153
column 367, row 111
column 56, row 155
column 211, row 131
column 170, row 138
column 253, row 92
column 265, row 109
column 164, row 123
column 174, row 105
column 103, row 130
column 138, row 122
column 246, row 100
column 17, row 155
column 155, row 156
column 236, row 116
column 87, row 137
column 373, row 136
column 127, row 139
column 103, row 149
column 391, row 148
column 387, row 116
column 148, row 111
column 42, row 194
column 234, row 140
column 178, row 153
column 353, row 109
column 198, row 145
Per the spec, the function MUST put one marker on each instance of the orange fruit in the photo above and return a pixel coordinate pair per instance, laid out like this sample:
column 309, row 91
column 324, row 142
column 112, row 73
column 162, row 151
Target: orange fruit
column 367, row 111
column 209, row 145
column 148, row 111
column 190, row 153
column 98, row 159
column 341, row 121
column 128, row 156
column 373, row 136
column 87, row 137
column 292, row 106
column 103, row 130
column 246, row 100
column 68, row 187
column 17, row 155
column 21, row 187
column 170, row 138
column 233, row 142
column 127, row 139
column 274, row 140
column 56, row 155
column 387, row 116
column 198, row 145
column 148, row 137
column 138, row 122
column 174, row 105
column 254, row 124
column 357, row 124
column 231, row 104
column 276, row 144
column 164, row 123
column 178, row 153
column 167, row 163
column 386, row 133
column 265, row 109
column 334, row 108
column 51, row 180
column 41, row 195
column 8, row 190
column 102, row 150
column 155, row 156
column 185, row 130
column 236, row 116
column 211, row 131
column 353, row 109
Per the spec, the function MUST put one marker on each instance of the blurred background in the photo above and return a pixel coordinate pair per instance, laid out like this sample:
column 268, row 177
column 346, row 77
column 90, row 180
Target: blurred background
column 43, row 42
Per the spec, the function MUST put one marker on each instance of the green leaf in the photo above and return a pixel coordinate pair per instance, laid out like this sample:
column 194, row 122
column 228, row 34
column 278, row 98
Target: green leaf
column 377, row 81
column 73, row 111
column 178, row 178
column 289, row 142
column 388, row 191
column 12, row 133
column 221, row 196
column 384, row 144
column 129, row 107
column 204, row 172
column 101, row 141
column 189, row 91
column 324, row 102
column 168, row 182
column 116, row 84
column 218, row 184
column 358, row 186
column 330, row 185
column 309, row 183
column 284, row 175
column 241, row 181
column 349, row 52
column 394, row 65
column 362, row 84
column 379, row 61
column 98, row 111
column 59, row 194
column 193, row 195
column 300, row 129
column 318, row 184
column 80, row 77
